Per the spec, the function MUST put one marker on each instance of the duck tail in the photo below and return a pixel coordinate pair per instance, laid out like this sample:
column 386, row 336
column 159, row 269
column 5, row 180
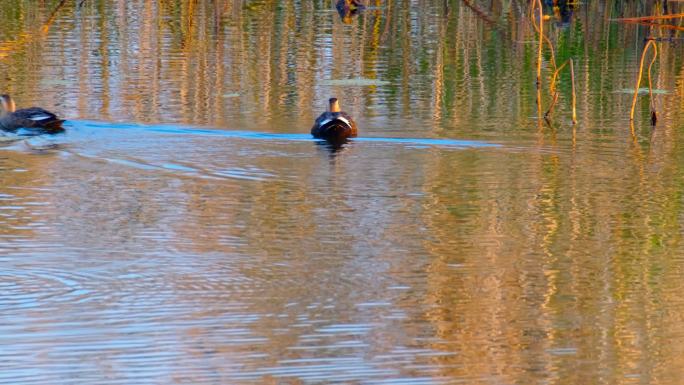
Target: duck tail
column 54, row 126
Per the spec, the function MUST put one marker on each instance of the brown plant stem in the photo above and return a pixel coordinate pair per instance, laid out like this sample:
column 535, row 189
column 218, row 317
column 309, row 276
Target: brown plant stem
column 548, row 41
column 538, row 6
column 641, row 70
column 654, row 116
column 555, row 76
column 482, row 15
column 553, row 104
column 46, row 26
column 555, row 93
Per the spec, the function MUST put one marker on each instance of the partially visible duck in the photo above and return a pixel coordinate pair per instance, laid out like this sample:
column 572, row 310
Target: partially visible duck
column 34, row 118
column 348, row 8
column 334, row 124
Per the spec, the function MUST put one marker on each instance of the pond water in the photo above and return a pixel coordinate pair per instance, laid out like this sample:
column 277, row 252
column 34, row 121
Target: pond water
column 185, row 229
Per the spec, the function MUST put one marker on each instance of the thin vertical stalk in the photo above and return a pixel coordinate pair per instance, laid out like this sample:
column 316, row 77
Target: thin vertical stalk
column 538, row 5
column 554, row 100
column 654, row 116
column 574, row 98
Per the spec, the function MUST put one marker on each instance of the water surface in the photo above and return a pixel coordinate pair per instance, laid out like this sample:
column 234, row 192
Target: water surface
column 185, row 229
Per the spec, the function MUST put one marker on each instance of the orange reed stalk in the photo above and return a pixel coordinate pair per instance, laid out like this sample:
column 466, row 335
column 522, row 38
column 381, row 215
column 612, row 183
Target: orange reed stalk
column 654, row 116
column 554, row 92
column 650, row 43
column 538, row 5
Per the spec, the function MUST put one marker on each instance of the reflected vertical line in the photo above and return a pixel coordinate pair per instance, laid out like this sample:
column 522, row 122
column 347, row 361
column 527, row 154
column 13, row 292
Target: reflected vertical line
column 104, row 110
column 83, row 78
column 438, row 88
column 218, row 117
column 123, row 80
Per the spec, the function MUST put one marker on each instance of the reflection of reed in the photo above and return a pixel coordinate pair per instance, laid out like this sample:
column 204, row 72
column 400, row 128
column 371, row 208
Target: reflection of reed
column 51, row 18
column 525, row 252
column 26, row 37
column 222, row 63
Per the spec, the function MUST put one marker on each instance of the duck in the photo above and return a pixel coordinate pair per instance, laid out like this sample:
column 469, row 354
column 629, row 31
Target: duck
column 348, row 8
column 334, row 124
column 33, row 118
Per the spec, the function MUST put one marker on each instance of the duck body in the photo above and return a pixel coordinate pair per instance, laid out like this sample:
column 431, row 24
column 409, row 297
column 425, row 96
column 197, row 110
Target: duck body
column 33, row 118
column 334, row 125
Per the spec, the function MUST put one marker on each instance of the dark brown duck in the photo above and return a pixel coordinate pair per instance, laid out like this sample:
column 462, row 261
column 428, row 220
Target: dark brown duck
column 34, row 118
column 334, row 124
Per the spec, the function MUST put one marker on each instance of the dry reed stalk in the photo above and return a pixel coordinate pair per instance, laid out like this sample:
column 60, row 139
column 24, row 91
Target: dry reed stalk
column 482, row 15
column 638, row 82
column 537, row 4
column 553, row 104
column 555, row 76
column 46, row 26
column 654, row 116
column 548, row 41
column 555, row 93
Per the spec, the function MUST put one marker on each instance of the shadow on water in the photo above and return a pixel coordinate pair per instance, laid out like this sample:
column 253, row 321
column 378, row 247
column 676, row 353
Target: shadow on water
column 333, row 147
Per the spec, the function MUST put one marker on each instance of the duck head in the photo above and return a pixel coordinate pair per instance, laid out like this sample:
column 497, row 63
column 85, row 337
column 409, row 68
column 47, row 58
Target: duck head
column 7, row 104
column 334, row 105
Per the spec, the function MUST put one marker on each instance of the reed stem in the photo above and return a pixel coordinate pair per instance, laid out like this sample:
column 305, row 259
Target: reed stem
column 553, row 104
column 538, row 5
column 552, row 87
column 555, row 93
column 548, row 41
column 654, row 116
column 650, row 43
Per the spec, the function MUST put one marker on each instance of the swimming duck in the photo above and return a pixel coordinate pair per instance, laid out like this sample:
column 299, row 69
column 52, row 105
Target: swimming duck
column 335, row 124
column 35, row 118
column 348, row 8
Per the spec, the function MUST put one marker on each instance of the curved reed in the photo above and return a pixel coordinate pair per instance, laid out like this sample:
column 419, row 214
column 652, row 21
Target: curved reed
column 651, row 43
